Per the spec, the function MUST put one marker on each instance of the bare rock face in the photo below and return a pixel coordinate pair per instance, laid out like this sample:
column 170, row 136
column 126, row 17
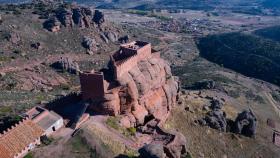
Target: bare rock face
column 82, row 17
column 124, row 39
column 147, row 89
column 109, row 36
column 98, row 17
column 216, row 119
column 167, row 144
column 67, row 65
column 52, row 24
column 152, row 151
column 90, row 44
column 64, row 15
column 246, row 124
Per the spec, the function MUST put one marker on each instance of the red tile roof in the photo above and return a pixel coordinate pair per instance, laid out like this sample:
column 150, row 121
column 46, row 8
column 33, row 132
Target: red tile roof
column 16, row 139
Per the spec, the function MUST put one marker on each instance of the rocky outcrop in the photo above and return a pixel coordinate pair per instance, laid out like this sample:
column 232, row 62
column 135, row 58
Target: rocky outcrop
column 124, row 39
column 90, row 44
column 52, row 24
column 109, row 36
column 172, row 143
column 148, row 89
column 98, row 17
column 64, row 15
column 139, row 88
column 13, row 38
column 152, row 151
column 82, row 17
column 246, row 124
column 204, row 84
column 215, row 118
column 66, row 65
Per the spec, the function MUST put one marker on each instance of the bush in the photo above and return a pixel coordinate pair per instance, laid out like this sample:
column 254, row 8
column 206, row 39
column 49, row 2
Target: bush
column 113, row 122
column 132, row 131
column 247, row 54
column 46, row 140
column 29, row 155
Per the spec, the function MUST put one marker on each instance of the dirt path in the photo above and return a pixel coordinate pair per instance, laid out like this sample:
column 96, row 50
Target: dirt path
column 273, row 103
column 99, row 122
column 57, row 148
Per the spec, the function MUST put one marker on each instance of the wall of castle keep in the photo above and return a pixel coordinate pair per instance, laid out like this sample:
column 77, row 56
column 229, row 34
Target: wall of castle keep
column 92, row 85
column 125, row 65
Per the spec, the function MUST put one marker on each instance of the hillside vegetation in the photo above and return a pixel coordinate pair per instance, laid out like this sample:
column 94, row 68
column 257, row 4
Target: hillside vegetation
column 248, row 54
column 273, row 4
column 270, row 33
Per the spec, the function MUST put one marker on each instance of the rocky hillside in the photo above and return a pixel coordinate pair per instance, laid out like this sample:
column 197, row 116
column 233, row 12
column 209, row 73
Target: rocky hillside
column 35, row 36
column 147, row 90
column 247, row 54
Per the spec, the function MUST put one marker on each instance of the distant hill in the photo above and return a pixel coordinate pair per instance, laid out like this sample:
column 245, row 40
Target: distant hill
column 273, row 4
column 270, row 33
column 247, row 54
column 167, row 4
column 171, row 4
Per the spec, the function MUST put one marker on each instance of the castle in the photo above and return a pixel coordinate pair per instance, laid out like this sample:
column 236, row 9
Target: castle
column 137, row 84
column 94, row 85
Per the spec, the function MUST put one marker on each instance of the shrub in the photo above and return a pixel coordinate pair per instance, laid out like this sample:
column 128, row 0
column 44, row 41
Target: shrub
column 113, row 122
column 29, row 155
column 132, row 131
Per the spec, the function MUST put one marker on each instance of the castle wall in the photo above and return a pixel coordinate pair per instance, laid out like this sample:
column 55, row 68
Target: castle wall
column 92, row 85
column 144, row 52
column 127, row 64
column 30, row 147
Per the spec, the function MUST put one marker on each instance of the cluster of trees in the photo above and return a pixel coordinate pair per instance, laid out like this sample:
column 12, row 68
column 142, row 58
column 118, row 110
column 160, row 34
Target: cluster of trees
column 248, row 54
column 272, row 33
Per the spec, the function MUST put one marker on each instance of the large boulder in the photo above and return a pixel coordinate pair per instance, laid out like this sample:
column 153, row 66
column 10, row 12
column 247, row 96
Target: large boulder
column 216, row 119
column 78, row 17
column 98, row 17
column 204, row 84
column 112, row 36
column 14, row 38
column 152, row 151
column 64, row 15
column 246, row 123
column 90, row 44
column 124, row 39
column 216, row 104
column 67, row 65
column 52, row 24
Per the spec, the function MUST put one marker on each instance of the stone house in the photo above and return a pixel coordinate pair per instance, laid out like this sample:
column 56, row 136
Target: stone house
column 49, row 121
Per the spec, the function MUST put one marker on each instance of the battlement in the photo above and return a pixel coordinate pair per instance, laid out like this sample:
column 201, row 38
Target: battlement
column 23, row 121
column 128, row 55
column 20, row 138
column 129, row 50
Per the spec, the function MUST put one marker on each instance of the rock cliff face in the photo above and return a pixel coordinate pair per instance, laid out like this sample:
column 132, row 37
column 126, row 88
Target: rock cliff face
column 147, row 90
column 82, row 17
